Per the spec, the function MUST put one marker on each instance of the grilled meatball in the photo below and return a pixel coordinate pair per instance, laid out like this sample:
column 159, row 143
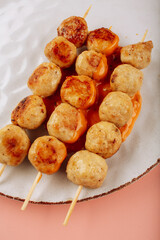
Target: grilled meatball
column 67, row 123
column 92, row 64
column 117, row 108
column 103, row 138
column 14, row 145
column 138, row 55
column 102, row 40
column 127, row 79
column 86, row 169
column 47, row 154
column 79, row 91
column 61, row 52
column 30, row 113
column 74, row 29
column 45, row 79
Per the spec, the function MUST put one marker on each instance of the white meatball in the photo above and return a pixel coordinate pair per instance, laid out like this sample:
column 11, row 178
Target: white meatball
column 47, row 154
column 117, row 108
column 66, row 123
column 45, row 79
column 30, row 113
column 103, row 138
column 87, row 169
column 14, row 145
column 138, row 55
column 61, row 52
column 127, row 79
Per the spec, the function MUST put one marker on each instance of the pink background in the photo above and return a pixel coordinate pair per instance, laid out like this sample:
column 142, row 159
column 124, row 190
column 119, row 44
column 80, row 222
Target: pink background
column 133, row 213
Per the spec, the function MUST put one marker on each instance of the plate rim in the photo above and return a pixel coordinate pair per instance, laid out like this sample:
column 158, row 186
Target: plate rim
column 88, row 198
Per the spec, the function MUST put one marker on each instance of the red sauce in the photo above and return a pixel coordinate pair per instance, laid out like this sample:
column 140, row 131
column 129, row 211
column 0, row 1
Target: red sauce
column 103, row 88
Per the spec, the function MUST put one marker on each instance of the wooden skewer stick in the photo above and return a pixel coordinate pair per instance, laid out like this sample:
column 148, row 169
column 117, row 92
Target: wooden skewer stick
column 144, row 35
column 86, row 13
column 72, row 205
column 36, row 181
column 2, row 168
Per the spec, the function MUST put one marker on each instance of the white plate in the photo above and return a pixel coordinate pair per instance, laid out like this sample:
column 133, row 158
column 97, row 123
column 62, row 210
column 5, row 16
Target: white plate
column 26, row 27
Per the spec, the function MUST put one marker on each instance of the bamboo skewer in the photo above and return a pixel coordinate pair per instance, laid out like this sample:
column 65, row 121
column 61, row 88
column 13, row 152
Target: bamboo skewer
column 72, row 205
column 36, row 181
column 2, row 168
column 86, row 13
column 144, row 36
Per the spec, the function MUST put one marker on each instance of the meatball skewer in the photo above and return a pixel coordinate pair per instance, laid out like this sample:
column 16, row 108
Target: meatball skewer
column 46, row 154
column 111, row 150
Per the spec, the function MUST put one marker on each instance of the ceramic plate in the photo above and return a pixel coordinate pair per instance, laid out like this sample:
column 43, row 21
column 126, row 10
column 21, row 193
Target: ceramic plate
column 26, row 27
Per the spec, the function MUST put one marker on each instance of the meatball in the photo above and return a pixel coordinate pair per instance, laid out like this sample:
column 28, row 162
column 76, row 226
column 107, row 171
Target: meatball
column 14, row 145
column 79, row 91
column 87, row 169
column 102, row 40
column 138, row 55
column 103, row 138
column 46, row 154
column 117, row 108
column 45, row 79
column 127, row 79
column 74, row 29
column 67, row 123
column 30, row 112
column 61, row 52
column 92, row 64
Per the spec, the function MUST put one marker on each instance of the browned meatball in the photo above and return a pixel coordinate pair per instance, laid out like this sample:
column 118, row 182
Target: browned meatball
column 14, row 145
column 30, row 112
column 47, row 154
column 79, row 91
column 103, row 138
column 102, row 40
column 61, row 52
column 67, row 123
column 138, row 55
column 92, row 64
column 74, row 29
column 117, row 108
column 87, row 169
column 127, row 79
column 45, row 79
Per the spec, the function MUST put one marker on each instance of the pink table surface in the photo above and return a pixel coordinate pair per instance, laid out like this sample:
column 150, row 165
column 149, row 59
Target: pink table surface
column 129, row 214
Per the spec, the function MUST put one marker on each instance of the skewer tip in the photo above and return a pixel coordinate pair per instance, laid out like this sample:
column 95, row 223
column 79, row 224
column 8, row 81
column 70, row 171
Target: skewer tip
column 72, row 205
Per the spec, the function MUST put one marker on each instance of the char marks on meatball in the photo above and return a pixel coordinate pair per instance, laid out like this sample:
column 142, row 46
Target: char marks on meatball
column 67, row 123
column 74, row 29
column 79, row 91
column 92, row 64
column 30, row 112
column 61, row 52
column 45, row 79
column 86, row 169
column 47, row 154
column 102, row 40
column 14, row 145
